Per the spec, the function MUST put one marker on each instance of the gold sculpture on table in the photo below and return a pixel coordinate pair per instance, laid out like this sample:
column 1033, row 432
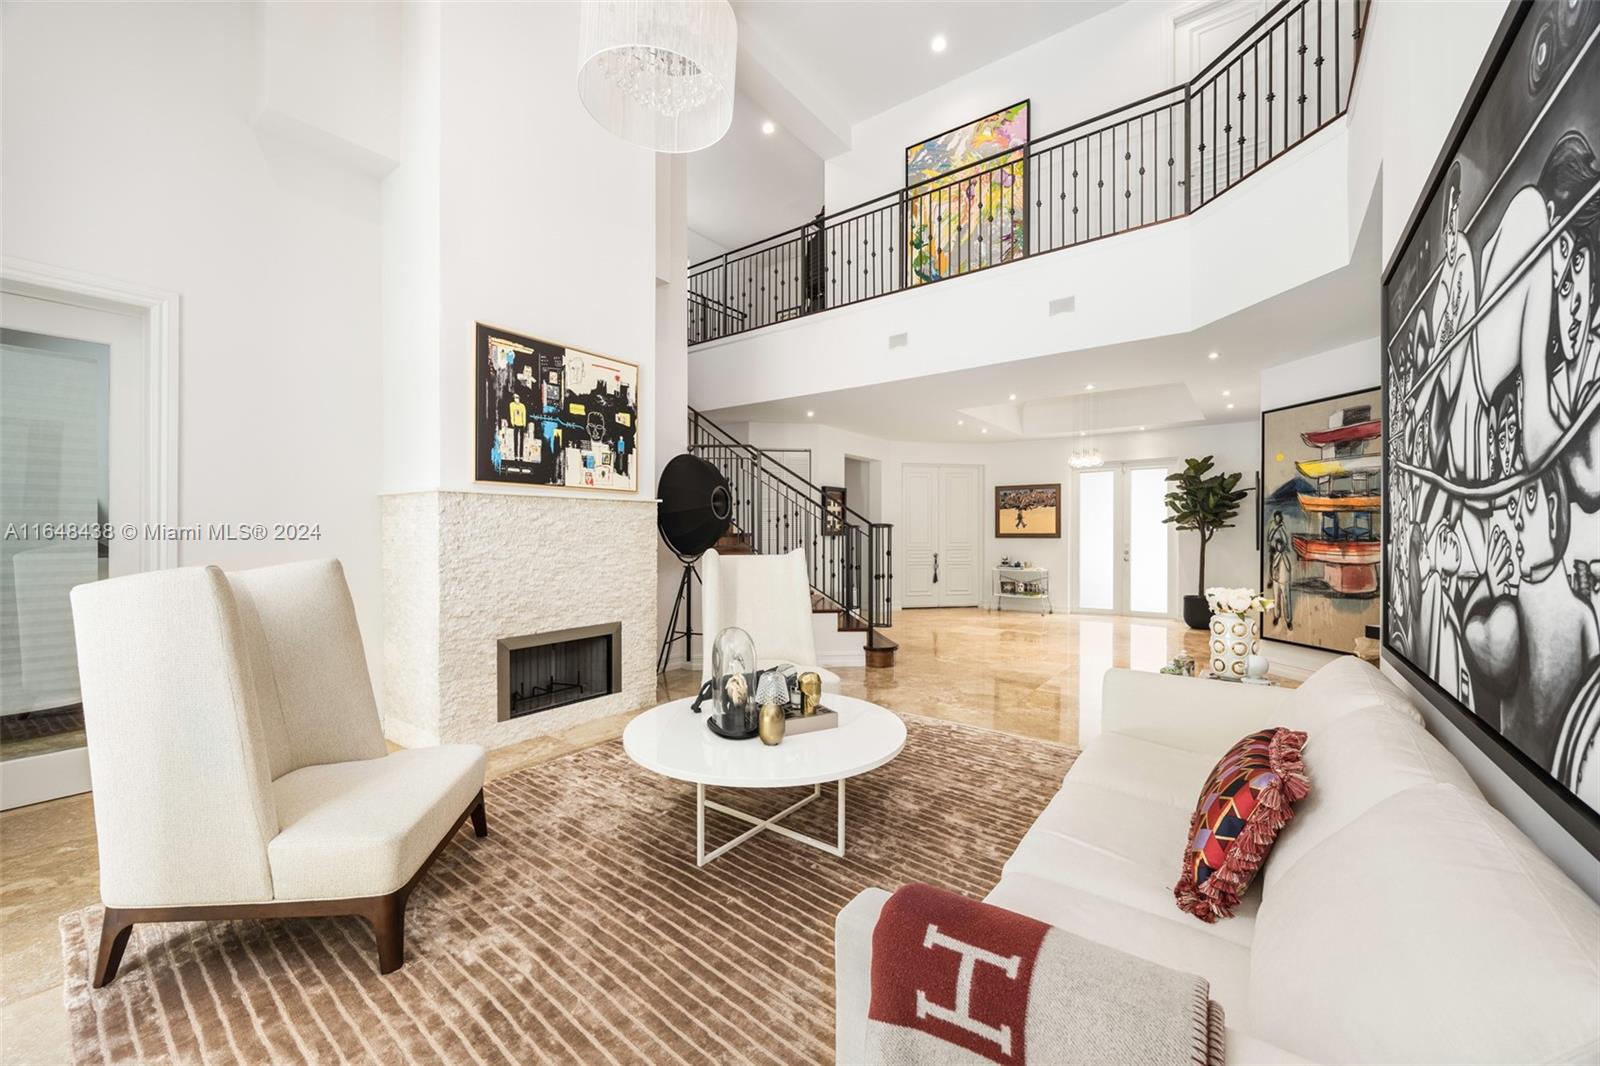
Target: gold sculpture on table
column 810, row 692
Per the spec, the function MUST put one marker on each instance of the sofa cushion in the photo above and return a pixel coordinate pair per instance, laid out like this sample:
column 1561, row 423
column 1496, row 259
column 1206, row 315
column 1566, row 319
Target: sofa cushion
column 1186, row 946
column 1110, row 843
column 1143, row 768
column 1356, row 762
column 363, row 828
column 1427, row 930
column 1247, row 799
column 1345, row 685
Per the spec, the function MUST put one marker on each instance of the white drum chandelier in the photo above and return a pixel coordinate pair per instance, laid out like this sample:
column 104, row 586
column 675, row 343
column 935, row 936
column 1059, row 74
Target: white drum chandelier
column 659, row 74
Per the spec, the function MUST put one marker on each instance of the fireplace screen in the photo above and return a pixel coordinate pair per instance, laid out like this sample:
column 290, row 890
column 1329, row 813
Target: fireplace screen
column 545, row 670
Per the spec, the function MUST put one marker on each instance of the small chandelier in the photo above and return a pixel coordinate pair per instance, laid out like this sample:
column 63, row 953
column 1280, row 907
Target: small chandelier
column 659, row 73
column 1086, row 457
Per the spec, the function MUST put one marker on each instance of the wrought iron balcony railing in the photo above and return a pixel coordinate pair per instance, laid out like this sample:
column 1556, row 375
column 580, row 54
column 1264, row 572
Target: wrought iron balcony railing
column 1148, row 162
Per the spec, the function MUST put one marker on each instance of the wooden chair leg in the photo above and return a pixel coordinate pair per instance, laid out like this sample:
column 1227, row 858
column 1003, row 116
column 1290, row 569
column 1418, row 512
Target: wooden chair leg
column 388, row 921
column 480, row 820
column 115, row 929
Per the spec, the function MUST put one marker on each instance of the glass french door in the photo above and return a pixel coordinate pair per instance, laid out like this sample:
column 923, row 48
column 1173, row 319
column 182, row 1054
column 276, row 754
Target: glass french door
column 69, row 424
column 1123, row 558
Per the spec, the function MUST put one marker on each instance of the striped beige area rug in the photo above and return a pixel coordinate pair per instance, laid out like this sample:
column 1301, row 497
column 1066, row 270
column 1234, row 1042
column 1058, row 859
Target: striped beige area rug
column 580, row 930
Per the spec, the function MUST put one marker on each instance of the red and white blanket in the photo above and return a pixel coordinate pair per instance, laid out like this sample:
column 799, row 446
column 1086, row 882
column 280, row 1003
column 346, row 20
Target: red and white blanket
column 961, row 982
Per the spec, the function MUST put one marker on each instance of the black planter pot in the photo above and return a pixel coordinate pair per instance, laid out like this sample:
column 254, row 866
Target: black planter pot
column 1196, row 612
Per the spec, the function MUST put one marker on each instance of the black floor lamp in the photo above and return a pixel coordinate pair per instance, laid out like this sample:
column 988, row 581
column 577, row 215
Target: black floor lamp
column 695, row 510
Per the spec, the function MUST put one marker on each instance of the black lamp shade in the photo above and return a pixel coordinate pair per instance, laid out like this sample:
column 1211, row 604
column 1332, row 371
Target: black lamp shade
column 696, row 507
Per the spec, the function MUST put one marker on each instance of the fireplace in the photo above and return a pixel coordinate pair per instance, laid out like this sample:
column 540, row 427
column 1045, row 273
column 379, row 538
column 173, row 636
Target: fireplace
column 542, row 671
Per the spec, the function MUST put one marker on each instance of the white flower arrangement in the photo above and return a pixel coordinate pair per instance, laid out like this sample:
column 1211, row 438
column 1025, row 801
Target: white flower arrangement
column 1236, row 601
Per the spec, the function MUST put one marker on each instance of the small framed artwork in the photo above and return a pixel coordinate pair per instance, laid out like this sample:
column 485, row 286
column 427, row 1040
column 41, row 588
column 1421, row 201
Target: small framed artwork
column 1027, row 510
column 550, row 415
column 832, row 510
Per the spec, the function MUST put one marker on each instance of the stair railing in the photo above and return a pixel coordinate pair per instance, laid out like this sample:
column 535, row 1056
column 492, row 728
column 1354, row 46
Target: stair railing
column 849, row 560
column 1151, row 161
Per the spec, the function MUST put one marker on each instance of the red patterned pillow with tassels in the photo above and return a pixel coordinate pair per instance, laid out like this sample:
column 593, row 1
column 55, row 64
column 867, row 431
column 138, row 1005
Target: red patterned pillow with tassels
column 1245, row 801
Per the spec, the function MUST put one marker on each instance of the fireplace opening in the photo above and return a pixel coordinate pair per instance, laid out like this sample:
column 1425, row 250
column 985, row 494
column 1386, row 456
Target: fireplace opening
column 542, row 671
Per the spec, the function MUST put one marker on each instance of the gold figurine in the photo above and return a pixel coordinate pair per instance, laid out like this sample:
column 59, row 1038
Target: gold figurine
column 810, row 692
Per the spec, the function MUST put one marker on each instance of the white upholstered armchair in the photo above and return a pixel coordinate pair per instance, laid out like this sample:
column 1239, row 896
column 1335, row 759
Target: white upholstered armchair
column 769, row 597
column 238, row 763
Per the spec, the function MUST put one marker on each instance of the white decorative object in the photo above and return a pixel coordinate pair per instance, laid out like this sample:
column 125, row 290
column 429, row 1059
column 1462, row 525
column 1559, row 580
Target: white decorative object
column 1255, row 670
column 670, row 741
column 659, row 73
column 1235, row 629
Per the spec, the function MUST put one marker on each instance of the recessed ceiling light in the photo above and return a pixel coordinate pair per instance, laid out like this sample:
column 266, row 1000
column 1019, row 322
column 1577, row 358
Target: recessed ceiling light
column 811, row 414
column 1083, row 433
column 1230, row 407
column 961, row 421
column 769, row 127
column 1088, row 388
column 985, row 429
column 1212, row 355
column 1013, row 396
column 1141, row 429
column 1227, row 392
column 938, row 44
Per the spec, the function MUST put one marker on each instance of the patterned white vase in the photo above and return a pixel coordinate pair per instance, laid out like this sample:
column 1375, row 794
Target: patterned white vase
column 1233, row 639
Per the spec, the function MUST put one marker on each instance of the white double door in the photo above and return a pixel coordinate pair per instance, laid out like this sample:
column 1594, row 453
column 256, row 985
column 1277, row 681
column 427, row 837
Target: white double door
column 1123, row 557
column 940, row 535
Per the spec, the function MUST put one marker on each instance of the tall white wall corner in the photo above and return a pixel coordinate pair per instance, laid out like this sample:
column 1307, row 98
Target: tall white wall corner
column 328, row 78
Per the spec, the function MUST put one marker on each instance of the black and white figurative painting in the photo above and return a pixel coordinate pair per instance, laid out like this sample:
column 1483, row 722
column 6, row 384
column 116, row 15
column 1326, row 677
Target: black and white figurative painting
column 1492, row 401
column 552, row 415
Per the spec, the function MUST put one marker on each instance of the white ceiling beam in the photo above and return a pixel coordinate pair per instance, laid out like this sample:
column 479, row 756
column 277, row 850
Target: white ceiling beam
column 791, row 98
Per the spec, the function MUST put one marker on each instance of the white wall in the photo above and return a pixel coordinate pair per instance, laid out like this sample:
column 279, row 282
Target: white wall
column 1231, row 558
column 131, row 153
column 240, row 155
column 1104, row 62
column 1425, row 54
column 548, row 221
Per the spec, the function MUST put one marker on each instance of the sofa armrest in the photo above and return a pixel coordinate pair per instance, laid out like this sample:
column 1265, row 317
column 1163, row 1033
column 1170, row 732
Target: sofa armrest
column 1192, row 713
column 852, row 973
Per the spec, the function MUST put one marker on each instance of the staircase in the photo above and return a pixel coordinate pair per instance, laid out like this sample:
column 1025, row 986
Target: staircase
column 849, row 559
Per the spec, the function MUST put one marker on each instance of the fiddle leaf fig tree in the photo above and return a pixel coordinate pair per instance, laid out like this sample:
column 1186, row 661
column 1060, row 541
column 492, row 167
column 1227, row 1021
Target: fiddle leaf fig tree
column 1203, row 502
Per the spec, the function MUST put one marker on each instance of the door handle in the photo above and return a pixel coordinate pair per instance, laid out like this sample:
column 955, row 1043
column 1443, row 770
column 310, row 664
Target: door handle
column 935, row 568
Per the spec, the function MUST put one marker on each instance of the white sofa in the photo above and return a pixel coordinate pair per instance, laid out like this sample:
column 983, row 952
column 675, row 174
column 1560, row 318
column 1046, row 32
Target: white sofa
column 1399, row 917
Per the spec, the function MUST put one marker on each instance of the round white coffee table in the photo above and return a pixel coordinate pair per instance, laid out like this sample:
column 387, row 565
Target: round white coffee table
column 673, row 741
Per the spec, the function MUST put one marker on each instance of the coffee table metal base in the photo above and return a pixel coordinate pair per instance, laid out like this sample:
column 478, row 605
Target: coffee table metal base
column 701, row 805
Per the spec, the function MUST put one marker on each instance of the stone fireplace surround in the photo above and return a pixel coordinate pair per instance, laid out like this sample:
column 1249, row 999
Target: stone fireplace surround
column 462, row 570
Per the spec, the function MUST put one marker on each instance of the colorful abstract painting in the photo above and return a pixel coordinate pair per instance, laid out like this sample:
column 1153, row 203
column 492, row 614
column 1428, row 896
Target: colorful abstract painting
column 962, row 217
column 552, row 415
column 1492, row 384
column 1321, row 519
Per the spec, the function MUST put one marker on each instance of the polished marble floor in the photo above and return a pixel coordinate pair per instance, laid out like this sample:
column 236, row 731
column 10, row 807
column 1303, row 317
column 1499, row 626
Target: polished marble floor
column 1037, row 676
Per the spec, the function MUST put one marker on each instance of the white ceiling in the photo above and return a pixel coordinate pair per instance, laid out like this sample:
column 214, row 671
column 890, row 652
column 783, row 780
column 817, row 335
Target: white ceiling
column 751, row 185
column 865, row 56
column 1161, row 383
column 816, row 67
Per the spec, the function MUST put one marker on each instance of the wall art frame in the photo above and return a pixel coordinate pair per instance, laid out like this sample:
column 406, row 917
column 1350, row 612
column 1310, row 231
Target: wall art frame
column 1012, row 504
column 550, row 415
column 1317, row 519
column 1492, row 407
